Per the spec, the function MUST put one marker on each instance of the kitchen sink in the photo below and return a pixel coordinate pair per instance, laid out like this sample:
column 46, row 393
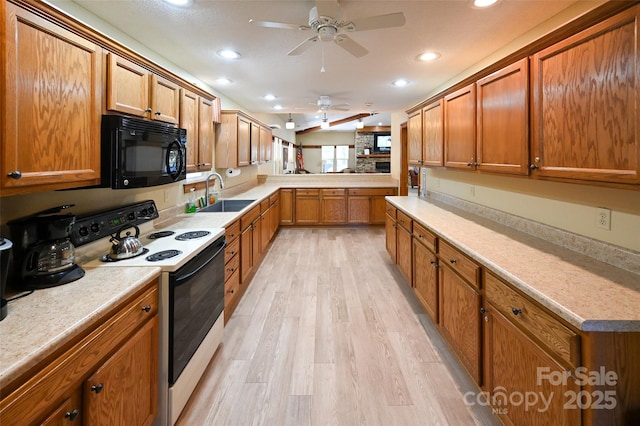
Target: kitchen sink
column 226, row 206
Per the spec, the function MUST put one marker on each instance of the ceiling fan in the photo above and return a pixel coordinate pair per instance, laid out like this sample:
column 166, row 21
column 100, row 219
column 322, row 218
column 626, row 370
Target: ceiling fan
column 325, row 104
column 324, row 22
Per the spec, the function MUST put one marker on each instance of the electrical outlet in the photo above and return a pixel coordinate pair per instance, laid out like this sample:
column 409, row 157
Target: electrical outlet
column 167, row 195
column 603, row 218
column 472, row 190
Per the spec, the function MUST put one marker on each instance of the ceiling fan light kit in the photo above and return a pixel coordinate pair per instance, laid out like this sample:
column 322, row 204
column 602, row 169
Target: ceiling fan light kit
column 290, row 125
column 324, row 23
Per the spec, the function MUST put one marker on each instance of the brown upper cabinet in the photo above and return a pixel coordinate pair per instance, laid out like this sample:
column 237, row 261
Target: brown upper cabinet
column 132, row 89
column 433, row 134
column 585, row 104
column 49, row 141
column 414, row 138
column 240, row 140
column 196, row 115
column 503, row 120
column 460, row 128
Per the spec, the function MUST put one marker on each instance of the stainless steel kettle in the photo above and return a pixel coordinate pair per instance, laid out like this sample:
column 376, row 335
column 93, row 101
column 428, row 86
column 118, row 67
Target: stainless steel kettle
column 127, row 246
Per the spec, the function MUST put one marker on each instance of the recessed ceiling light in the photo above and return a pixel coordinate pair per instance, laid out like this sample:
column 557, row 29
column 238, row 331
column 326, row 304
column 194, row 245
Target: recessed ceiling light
column 401, row 82
column 181, row 3
column 428, row 56
column 480, row 4
column 278, row 107
column 228, row 53
column 270, row 97
column 223, row 81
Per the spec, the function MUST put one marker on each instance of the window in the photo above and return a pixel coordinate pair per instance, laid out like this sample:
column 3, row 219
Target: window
column 335, row 158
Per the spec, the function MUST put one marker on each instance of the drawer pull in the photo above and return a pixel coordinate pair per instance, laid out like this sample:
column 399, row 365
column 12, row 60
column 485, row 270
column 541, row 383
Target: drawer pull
column 420, row 236
column 232, row 253
column 452, row 261
column 71, row 415
column 147, row 308
column 433, row 262
column 232, row 235
column 231, row 269
column 516, row 311
column 16, row 174
column 230, row 291
column 97, row 388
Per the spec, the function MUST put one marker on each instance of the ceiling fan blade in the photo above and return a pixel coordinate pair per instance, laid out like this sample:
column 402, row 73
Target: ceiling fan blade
column 341, row 107
column 350, row 46
column 327, row 8
column 376, row 22
column 280, row 25
column 303, row 46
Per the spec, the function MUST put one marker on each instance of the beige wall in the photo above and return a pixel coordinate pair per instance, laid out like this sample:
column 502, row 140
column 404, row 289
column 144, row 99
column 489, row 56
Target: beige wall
column 567, row 206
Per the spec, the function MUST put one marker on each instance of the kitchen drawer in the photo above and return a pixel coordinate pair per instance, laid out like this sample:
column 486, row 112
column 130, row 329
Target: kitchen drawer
column 533, row 320
column 247, row 219
column 232, row 266
column 425, row 236
column 372, row 191
column 232, row 249
column 232, row 232
column 463, row 265
column 274, row 198
column 391, row 211
column 264, row 205
column 333, row 191
column 404, row 220
column 307, row 192
column 231, row 290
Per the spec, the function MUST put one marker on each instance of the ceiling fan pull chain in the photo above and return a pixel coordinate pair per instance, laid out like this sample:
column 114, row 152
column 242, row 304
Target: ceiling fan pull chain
column 322, row 47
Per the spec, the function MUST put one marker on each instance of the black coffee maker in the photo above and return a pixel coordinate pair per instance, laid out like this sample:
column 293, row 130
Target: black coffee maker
column 5, row 262
column 43, row 253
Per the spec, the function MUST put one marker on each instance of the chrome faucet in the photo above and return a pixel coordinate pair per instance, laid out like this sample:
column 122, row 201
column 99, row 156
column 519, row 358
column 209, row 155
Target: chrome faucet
column 206, row 193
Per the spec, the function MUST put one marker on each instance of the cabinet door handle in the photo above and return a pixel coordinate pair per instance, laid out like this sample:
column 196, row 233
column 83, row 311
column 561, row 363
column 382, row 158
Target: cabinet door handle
column 158, row 113
column 533, row 167
column 148, row 110
column 97, row 388
column 231, row 269
column 452, row 261
column 71, row 415
column 147, row 308
column 483, row 310
column 16, row 174
column 516, row 311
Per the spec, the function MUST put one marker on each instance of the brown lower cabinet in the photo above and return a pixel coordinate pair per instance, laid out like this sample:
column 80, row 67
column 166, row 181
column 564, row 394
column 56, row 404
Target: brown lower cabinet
column 334, row 206
column 511, row 345
column 110, row 376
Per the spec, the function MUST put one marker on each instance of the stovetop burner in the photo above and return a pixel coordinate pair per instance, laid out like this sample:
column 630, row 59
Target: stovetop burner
column 107, row 258
column 161, row 234
column 192, row 235
column 162, row 255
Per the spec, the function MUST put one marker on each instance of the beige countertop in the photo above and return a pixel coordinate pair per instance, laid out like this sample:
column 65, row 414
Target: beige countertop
column 40, row 323
column 588, row 294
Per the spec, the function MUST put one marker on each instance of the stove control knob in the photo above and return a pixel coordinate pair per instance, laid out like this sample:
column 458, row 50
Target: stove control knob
column 95, row 227
column 131, row 216
column 83, row 231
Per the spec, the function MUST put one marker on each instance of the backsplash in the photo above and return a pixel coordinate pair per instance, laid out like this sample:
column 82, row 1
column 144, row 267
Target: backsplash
column 617, row 256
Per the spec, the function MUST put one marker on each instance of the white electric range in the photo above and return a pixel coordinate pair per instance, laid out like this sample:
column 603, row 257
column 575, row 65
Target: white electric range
column 192, row 282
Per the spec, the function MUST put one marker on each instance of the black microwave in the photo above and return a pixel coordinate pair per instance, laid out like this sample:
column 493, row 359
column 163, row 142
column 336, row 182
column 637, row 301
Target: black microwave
column 139, row 153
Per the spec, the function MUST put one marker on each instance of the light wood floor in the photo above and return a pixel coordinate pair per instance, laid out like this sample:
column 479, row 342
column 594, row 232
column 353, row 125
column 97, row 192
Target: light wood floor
column 329, row 333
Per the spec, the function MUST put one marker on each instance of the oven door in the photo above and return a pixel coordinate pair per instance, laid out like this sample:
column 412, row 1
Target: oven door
column 196, row 300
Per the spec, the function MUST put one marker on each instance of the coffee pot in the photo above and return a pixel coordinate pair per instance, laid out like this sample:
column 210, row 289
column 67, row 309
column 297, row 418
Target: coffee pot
column 45, row 256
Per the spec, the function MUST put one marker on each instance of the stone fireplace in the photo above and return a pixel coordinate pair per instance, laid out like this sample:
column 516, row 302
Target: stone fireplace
column 370, row 163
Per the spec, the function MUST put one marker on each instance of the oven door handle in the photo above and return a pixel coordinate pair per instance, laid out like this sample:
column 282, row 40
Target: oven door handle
column 185, row 277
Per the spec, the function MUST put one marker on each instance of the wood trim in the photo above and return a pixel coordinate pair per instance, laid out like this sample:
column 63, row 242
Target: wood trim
column 573, row 27
column 374, row 129
column 334, row 123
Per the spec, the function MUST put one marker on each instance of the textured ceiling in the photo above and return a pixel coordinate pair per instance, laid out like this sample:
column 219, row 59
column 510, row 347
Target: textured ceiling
column 190, row 38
